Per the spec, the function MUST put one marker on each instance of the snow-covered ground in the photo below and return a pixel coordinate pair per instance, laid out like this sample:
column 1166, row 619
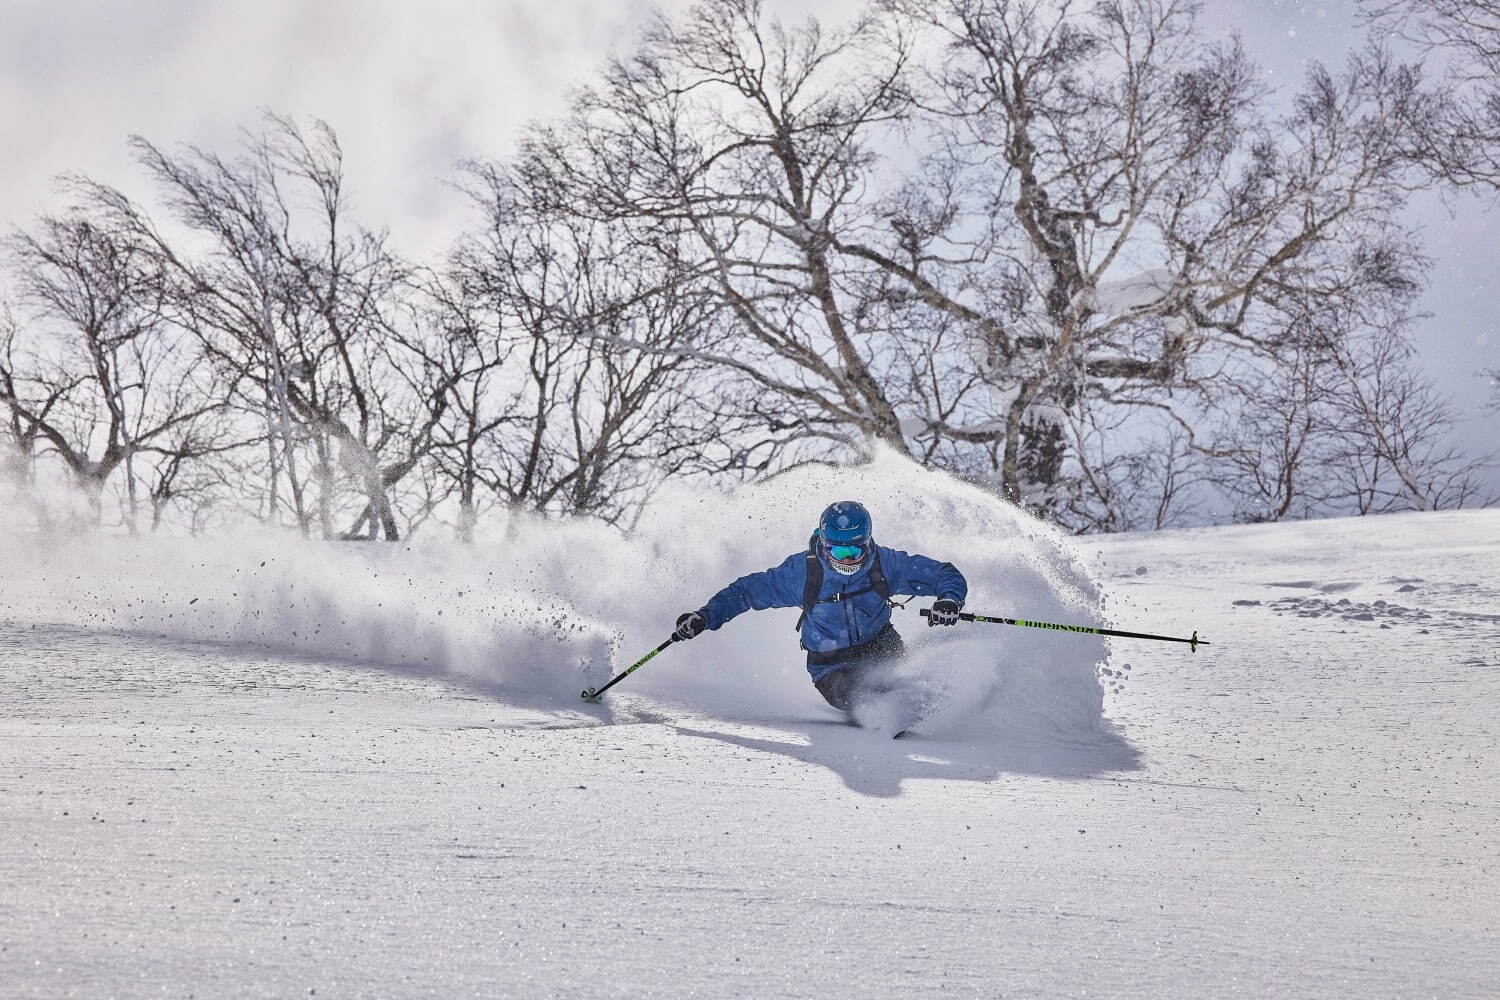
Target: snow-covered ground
column 253, row 769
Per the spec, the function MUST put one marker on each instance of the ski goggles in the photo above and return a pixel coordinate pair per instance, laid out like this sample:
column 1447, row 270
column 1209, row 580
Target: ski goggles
column 846, row 553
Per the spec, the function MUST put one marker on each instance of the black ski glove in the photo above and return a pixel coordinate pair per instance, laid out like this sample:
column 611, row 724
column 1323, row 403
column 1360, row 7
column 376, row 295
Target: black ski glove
column 689, row 625
column 944, row 612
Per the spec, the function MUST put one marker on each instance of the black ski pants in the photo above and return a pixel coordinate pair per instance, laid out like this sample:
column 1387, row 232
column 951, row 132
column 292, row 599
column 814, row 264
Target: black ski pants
column 859, row 668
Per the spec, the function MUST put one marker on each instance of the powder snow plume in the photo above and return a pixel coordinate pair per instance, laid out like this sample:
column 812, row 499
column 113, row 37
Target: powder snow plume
column 559, row 606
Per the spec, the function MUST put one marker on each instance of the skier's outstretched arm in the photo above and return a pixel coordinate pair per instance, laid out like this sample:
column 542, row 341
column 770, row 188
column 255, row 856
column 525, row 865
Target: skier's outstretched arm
column 924, row 577
column 778, row 587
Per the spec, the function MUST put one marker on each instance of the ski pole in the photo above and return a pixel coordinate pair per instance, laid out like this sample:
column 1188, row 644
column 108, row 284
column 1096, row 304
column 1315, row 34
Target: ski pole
column 589, row 694
column 1193, row 643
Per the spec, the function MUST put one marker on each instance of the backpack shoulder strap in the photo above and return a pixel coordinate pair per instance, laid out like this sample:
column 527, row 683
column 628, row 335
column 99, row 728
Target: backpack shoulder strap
column 878, row 582
column 881, row 585
column 812, row 584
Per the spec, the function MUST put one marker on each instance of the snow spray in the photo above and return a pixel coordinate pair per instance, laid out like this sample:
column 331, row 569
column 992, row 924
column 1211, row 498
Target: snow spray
column 554, row 606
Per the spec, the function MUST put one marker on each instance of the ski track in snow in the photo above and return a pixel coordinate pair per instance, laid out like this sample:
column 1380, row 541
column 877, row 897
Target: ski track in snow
column 196, row 801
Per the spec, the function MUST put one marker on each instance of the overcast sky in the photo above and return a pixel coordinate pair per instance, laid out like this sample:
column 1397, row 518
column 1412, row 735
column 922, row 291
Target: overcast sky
column 412, row 88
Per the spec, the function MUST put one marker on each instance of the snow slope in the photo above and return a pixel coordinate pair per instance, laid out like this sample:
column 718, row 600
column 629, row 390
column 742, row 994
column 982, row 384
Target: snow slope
column 219, row 778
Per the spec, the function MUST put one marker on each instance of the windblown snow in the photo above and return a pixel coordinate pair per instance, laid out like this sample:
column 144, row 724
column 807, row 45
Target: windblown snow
column 255, row 767
column 558, row 607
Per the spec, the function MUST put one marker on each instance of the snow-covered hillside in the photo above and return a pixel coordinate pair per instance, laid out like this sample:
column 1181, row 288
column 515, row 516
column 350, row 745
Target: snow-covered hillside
column 249, row 769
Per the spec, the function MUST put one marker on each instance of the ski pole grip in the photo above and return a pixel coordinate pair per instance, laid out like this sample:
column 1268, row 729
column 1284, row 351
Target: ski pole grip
column 963, row 616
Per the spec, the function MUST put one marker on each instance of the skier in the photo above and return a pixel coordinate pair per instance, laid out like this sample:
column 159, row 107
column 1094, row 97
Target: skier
column 846, row 614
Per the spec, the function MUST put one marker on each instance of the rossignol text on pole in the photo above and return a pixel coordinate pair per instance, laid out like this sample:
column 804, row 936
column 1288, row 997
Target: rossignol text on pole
column 589, row 694
column 1193, row 643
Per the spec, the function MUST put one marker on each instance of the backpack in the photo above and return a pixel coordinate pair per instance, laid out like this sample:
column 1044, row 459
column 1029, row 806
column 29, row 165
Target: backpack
column 878, row 583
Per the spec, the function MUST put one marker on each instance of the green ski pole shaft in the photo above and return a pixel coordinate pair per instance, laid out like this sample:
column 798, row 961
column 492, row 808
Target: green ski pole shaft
column 1194, row 642
column 589, row 694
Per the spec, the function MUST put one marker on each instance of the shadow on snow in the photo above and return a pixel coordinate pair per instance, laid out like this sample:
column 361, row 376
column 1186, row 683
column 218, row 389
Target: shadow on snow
column 871, row 763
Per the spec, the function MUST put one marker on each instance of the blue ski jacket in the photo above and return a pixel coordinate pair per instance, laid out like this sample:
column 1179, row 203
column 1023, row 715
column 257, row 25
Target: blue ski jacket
column 833, row 624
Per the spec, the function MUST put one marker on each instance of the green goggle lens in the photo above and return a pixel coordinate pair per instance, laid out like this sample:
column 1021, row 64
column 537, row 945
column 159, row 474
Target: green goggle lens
column 846, row 553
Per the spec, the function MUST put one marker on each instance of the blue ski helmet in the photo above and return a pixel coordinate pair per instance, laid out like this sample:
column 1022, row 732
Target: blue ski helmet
column 845, row 531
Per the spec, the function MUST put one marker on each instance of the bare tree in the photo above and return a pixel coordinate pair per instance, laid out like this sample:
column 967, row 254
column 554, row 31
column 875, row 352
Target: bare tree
column 1133, row 475
column 19, row 432
column 472, row 347
column 1334, row 416
column 1460, row 145
column 1393, row 429
column 367, row 390
column 1113, row 208
column 969, row 228
column 296, row 306
column 102, row 378
column 738, row 147
column 1063, row 250
column 595, row 408
column 229, row 294
column 1269, row 457
column 186, row 468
